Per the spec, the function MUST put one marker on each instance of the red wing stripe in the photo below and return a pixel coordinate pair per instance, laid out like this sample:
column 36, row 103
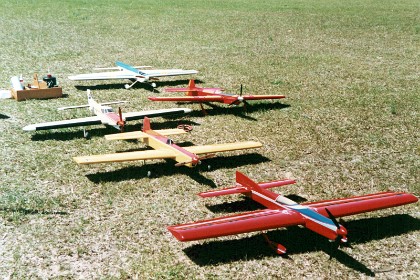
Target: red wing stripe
column 241, row 223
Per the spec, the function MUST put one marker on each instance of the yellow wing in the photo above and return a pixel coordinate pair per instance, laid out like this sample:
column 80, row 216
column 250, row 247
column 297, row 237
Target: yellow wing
column 141, row 135
column 206, row 149
column 129, row 156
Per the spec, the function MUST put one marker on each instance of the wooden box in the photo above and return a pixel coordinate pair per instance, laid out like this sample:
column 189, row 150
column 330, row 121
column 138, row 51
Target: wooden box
column 38, row 90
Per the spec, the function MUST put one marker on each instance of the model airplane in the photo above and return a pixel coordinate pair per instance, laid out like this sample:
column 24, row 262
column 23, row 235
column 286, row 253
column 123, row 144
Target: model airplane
column 104, row 115
column 132, row 73
column 164, row 148
column 319, row 217
column 204, row 95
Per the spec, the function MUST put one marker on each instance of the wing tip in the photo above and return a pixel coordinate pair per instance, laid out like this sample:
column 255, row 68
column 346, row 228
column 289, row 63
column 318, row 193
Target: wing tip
column 29, row 128
column 176, row 233
column 81, row 160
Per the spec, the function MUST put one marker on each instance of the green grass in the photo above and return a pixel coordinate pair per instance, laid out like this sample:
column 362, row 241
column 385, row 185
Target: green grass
column 351, row 76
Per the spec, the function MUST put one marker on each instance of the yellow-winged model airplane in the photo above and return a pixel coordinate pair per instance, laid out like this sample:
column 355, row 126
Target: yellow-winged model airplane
column 164, row 148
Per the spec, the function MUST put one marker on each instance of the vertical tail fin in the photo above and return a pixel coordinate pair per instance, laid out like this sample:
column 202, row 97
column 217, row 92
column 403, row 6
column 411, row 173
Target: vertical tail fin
column 89, row 95
column 91, row 102
column 146, row 124
column 191, row 84
column 191, row 88
column 247, row 182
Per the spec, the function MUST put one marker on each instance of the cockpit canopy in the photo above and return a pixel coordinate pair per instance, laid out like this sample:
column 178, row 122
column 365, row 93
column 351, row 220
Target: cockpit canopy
column 106, row 109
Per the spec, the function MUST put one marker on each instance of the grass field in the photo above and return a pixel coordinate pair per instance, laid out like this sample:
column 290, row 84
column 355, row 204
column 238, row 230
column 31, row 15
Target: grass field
column 349, row 126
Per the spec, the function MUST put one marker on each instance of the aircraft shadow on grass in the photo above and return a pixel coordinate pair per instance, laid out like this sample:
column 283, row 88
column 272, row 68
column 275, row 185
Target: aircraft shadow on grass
column 101, row 131
column 4, row 117
column 27, row 211
column 301, row 240
column 168, row 168
column 238, row 111
column 146, row 86
column 245, row 205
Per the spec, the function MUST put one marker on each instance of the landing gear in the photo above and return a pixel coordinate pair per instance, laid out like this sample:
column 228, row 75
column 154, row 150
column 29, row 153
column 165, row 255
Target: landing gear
column 86, row 134
column 127, row 86
column 278, row 248
column 203, row 110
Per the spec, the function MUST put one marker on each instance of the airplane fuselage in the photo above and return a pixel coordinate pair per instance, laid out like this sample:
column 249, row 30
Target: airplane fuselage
column 105, row 113
column 158, row 141
column 313, row 220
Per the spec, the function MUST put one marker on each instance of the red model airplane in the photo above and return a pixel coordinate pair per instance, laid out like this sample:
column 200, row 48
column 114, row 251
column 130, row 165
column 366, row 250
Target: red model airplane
column 203, row 95
column 283, row 212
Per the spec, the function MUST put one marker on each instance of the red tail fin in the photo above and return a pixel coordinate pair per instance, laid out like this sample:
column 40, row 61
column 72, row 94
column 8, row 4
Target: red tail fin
column 246, row 182
column 146, row 124
column 192, row 90
column 191, row 84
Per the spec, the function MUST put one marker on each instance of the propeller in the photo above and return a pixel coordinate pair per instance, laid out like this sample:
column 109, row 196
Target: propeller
column 236, row 100
column 185, row 127
column 196, row 161
column 333, row 219
column 121, row 122
column 341, row 231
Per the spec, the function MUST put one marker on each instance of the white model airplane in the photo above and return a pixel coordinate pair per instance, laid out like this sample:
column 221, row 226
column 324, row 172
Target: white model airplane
column 132, row 73
column 104, row 115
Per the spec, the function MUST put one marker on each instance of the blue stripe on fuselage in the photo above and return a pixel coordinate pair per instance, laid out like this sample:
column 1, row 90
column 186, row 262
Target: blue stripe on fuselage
column 314, row 215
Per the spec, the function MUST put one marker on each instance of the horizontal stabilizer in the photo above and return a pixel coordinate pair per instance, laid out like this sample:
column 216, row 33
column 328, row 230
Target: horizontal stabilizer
column 117, row 68
column 73, row 107
column 240, row 189
column 113, row 102
column 127, row 135
column 141, row 135
column 188, row 98
column 197, row 89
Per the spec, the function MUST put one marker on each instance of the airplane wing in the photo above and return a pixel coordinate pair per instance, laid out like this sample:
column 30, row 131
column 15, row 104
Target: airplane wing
column 129, row 116
column 261, row 97
column 62, row 124
column 203, row 98
column 104, row 76
column 360, row 204
column 128, row 156
column 207, row 149
column 241, row 223
column 168, row 72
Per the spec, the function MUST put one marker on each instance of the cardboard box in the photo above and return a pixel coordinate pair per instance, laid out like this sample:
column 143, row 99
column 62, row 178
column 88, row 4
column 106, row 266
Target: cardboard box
column 33, row 93
column 38, row 90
